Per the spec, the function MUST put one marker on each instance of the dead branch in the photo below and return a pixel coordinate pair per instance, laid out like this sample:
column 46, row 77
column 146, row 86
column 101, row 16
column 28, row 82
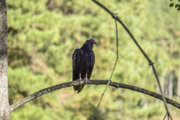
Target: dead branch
column 140, row 48
column 92, row 82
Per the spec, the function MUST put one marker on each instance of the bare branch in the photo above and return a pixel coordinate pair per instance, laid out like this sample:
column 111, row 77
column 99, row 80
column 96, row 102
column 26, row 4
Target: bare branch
column 124, row 26
column 117, row 56
column 92, row 82
column 140, row 48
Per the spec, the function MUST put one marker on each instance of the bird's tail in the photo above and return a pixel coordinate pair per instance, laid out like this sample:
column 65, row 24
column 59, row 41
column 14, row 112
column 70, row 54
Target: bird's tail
column 78, row 88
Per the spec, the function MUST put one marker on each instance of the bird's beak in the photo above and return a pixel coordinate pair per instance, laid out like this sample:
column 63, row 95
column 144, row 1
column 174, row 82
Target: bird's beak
column 94, row 42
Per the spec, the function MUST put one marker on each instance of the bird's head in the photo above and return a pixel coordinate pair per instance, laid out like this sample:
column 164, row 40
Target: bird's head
column 91, row 41
column 89, row 44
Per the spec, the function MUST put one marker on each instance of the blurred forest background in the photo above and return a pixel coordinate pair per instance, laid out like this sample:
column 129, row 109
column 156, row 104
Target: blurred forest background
column 44, row 33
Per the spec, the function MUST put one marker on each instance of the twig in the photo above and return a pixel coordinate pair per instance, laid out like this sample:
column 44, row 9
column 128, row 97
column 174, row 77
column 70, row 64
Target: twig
column 164, row 117
column 110, row 78
column 92, row 82
column 142, row 51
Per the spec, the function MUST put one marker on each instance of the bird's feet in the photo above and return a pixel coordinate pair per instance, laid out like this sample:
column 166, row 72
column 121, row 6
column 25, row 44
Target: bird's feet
column 86, row 80
column 80, row 79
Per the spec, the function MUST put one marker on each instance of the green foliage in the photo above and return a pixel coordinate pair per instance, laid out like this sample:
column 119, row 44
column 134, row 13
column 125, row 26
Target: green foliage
column 44, row 33
column 175, row 4
column 33, row 112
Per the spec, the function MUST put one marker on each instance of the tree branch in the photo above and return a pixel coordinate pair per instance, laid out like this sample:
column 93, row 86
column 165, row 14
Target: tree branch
column 92, row 82
column 140, row 48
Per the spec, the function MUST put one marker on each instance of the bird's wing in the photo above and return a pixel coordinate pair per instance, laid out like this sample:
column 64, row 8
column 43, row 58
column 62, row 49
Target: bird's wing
column 92, row 60
column 76, row 59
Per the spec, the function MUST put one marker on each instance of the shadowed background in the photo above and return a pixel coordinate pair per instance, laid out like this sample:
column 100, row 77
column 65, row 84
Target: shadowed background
column 44, row 33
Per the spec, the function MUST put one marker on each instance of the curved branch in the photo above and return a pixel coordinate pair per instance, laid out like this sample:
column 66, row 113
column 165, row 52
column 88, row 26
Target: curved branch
column 93, row 82
column 140, row 48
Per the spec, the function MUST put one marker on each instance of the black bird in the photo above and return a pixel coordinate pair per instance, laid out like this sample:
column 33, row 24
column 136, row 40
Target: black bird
column 83, row 62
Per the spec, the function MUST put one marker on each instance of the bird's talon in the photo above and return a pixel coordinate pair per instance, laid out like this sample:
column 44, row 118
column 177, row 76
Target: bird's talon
column 80, row 81
column 86, row 80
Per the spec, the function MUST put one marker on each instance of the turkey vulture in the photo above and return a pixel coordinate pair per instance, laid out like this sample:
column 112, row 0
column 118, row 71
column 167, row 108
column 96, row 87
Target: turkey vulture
column 83, row 62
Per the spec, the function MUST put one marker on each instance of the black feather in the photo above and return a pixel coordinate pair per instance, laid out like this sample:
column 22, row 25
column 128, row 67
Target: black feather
column 83, row 62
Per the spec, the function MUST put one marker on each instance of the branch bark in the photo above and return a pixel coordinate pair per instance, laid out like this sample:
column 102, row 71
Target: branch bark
column 178, row 84
column 140, row 48
column 92, row 82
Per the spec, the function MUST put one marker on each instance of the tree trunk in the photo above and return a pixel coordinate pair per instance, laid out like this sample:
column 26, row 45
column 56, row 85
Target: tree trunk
column 170, row 85
column 4, row 102
column 165, row 86
column 178, row 85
